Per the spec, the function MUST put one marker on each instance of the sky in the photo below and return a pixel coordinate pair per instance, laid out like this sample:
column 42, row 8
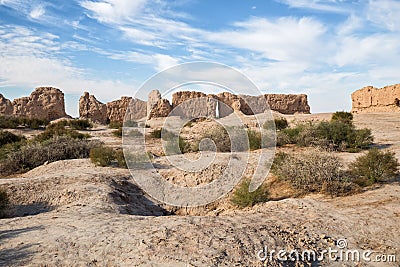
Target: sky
column 324, row 48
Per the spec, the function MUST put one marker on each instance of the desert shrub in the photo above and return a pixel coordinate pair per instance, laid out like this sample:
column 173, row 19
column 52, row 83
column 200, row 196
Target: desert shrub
column 80, row 124
column 134, row 133
column 309, row 170
column 341, row 187
column 118, row 132
column 7, row 137
column 9, row 122
column 279, row 159
column 335, row 135
column 156, row 133
column 102, row 156
column 184, row 147
column 119, row 156
column 130, row 124
column 35, row 154
column 59, row 130
column 243, row 198
column 254, row 139
column 374, row 166
column 360, row 139
column 115, row 125
column 4, row 201
column 342, row 116
column 220, row 137
column 280, row 124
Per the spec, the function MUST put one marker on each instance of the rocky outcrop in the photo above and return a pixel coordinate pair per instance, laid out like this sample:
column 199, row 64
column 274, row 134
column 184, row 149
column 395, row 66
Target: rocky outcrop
column 116, row 109
column 156, row 106
column 44, row 103
column 288, row 104
column 152, row 100
column 92, row 109
column 6, row 108
column 137, row 109
column 249, row 105
column 161, row 109
column 371, row 99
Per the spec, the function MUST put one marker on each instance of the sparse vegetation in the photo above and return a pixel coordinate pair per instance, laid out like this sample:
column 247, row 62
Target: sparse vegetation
column 76, row 124
column 59, row 130
column 34, row 154
column 102, row 155
column 279, row 123
column 130, row 124
column 342, row 116
column 338, row 134
column 312, row 171
column 115, row 125
column 119, row 156
column 7, row 137
column 4, row 201
column 106, row 156
column 156, row 133
column 118, row 132
column 374, row 166
column 8, row 122
column 243, row 198
column 254, row 139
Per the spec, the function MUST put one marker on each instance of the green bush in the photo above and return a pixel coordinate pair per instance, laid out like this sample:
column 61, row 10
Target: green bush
column 4, row 201
column 80, row 124
column 342, row 116
column 34, row 154
column 309, row 170
column 9, row 122
column 106, row 156
column 119, row 156
column 130, row 124
column 335, row 135
column 59, row 130
column 102, row 156
column 374, row 166
column 117, row 133
column 156, row 133
column 134, row 133
column 254, row 139
column 7, row 137
column 281, row 123
column 115, row 125
column 76, row 124
column 243, row 198
column 220, row 137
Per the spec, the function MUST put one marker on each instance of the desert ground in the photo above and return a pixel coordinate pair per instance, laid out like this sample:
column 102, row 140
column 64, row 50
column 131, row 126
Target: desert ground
column 73, row 213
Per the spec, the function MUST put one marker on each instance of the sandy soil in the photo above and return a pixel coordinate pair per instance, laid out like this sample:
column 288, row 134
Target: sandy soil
column 71, row 213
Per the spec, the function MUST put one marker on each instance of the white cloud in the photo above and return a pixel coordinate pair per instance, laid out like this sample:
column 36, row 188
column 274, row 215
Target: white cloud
column 113, row 11
column 333, row 6
column 32, row 59
column 286, row 38
column 385, row 13
column 37, row 12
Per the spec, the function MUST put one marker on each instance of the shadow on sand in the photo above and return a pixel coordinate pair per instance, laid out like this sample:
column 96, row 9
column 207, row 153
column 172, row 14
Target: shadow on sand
column 20, row 253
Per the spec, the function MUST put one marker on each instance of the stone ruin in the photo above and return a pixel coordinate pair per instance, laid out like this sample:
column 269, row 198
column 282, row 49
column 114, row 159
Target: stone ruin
column 94, row 110
column 48, row 103
column 371, row 99
column 44, row 103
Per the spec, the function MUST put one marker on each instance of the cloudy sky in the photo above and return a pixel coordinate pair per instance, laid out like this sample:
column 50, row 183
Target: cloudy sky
column 324, row 48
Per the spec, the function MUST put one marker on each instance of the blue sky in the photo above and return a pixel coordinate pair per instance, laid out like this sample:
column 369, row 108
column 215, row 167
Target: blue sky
column 324, row 48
